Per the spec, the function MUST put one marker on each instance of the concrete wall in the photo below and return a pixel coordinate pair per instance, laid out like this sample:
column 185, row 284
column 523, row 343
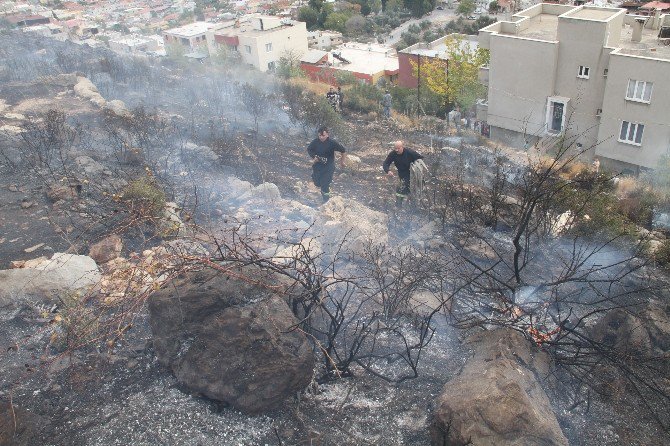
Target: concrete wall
column 582, row 44
column 522, row 75
column 655, row 116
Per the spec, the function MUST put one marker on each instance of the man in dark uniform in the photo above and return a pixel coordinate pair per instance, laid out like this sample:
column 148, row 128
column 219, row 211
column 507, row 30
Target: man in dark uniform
column 402, row 157
column 332, row 98
column 322, row 150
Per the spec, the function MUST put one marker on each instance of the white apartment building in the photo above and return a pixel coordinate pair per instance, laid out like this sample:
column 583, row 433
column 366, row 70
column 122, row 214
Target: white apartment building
column 134, row 45
column 191, row 38
column 261, row 40
column 324, row 40
column 594, row 75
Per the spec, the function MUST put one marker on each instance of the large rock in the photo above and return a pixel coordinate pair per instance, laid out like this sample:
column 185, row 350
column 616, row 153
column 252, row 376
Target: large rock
column 496, row 399
column 640, row 333
column 85, row 89
column 44, row 280
column 347, row 222
column 230, row 340
column 106, row 249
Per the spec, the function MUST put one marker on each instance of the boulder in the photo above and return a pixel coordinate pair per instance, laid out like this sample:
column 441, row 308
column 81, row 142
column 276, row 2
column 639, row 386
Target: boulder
column 85, row 89
column 348, row 222
column 266, row 192
column 118, row 108
column 44, row 280
column 106, row 249
column 496, row 399
column 231, row 340
column 89, row 166
column 638, row 333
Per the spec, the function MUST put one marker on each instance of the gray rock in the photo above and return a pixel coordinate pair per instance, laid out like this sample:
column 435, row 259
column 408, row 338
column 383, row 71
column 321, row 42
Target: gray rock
column 230, row 340
column 497, row 399
column 44, row 280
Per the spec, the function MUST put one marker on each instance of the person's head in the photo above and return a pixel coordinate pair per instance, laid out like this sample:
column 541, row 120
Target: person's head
column 398, row 147
column 339, row 88
column 387, row 92
column 323, row 133
column 332, row 89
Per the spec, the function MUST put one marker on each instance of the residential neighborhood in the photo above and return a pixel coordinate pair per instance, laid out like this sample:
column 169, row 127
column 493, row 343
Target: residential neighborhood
column 597, row 73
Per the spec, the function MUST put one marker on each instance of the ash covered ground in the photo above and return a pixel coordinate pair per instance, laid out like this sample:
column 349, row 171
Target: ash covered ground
column 122, row 395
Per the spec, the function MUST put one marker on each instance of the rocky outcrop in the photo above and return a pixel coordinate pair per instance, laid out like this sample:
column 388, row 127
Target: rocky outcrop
column 230, row 340
column 352, row 224
column 85, row 89
column 496, row 399
column 43, row 280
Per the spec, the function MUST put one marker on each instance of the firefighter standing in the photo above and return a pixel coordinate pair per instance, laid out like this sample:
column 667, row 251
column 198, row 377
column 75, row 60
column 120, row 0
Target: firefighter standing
column 322, row 151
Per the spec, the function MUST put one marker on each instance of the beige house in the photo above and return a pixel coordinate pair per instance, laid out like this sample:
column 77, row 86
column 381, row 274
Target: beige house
column 594, row 75
column 261, row 41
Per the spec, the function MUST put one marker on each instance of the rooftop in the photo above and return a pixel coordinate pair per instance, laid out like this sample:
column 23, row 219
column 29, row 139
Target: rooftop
column 600, row 14
column 649, row 46
column 191, row 30
column 541, row 27
column 366, row 59
column 437, row 47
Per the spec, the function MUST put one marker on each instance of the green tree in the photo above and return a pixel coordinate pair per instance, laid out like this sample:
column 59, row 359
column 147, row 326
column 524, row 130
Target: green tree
column 336, row 21
column 458, row 79
column 466, row 7
column 310, row 16
column 289, row 65
column 419, row 7
column 494, row 6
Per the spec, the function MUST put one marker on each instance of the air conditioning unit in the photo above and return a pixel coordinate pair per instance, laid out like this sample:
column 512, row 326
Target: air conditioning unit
column 599, row 112
column 605, row 71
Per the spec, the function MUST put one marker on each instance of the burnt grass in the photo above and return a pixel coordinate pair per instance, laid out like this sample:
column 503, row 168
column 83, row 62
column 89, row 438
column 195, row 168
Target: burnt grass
column 123, row 396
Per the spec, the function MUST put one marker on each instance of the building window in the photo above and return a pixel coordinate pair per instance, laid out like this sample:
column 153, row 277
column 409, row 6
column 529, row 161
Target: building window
column 639, row 91
column 631, row 133
column 268, row 47
column 583, row 72
column 271, row 66
column 247, row 48
column 555, row 119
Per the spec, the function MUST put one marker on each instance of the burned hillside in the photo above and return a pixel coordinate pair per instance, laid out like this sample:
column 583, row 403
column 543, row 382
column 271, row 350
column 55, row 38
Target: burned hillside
column 160, row 226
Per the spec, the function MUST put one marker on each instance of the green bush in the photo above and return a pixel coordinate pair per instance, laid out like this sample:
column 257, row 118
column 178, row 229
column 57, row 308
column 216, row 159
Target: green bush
column 363, row 98
column 144, row 197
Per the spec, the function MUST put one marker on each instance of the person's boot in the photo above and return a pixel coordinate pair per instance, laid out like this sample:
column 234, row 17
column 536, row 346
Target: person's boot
column 398, row 200
column 325, row 196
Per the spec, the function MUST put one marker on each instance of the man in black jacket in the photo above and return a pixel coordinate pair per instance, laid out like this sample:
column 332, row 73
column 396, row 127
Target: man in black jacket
column 322, row 150
column 402, row 157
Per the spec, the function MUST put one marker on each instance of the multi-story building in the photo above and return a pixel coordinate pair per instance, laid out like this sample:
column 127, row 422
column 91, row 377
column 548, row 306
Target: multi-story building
column 189, row 38
column 324, row 40
column 261, row 41
column 594, row 75
column 134, row 44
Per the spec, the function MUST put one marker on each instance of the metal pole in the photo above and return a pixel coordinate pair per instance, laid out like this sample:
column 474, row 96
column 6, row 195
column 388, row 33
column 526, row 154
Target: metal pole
column 418, row 87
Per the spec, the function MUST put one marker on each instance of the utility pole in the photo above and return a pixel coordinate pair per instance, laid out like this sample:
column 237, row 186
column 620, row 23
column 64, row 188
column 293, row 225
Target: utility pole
column 418, row 86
